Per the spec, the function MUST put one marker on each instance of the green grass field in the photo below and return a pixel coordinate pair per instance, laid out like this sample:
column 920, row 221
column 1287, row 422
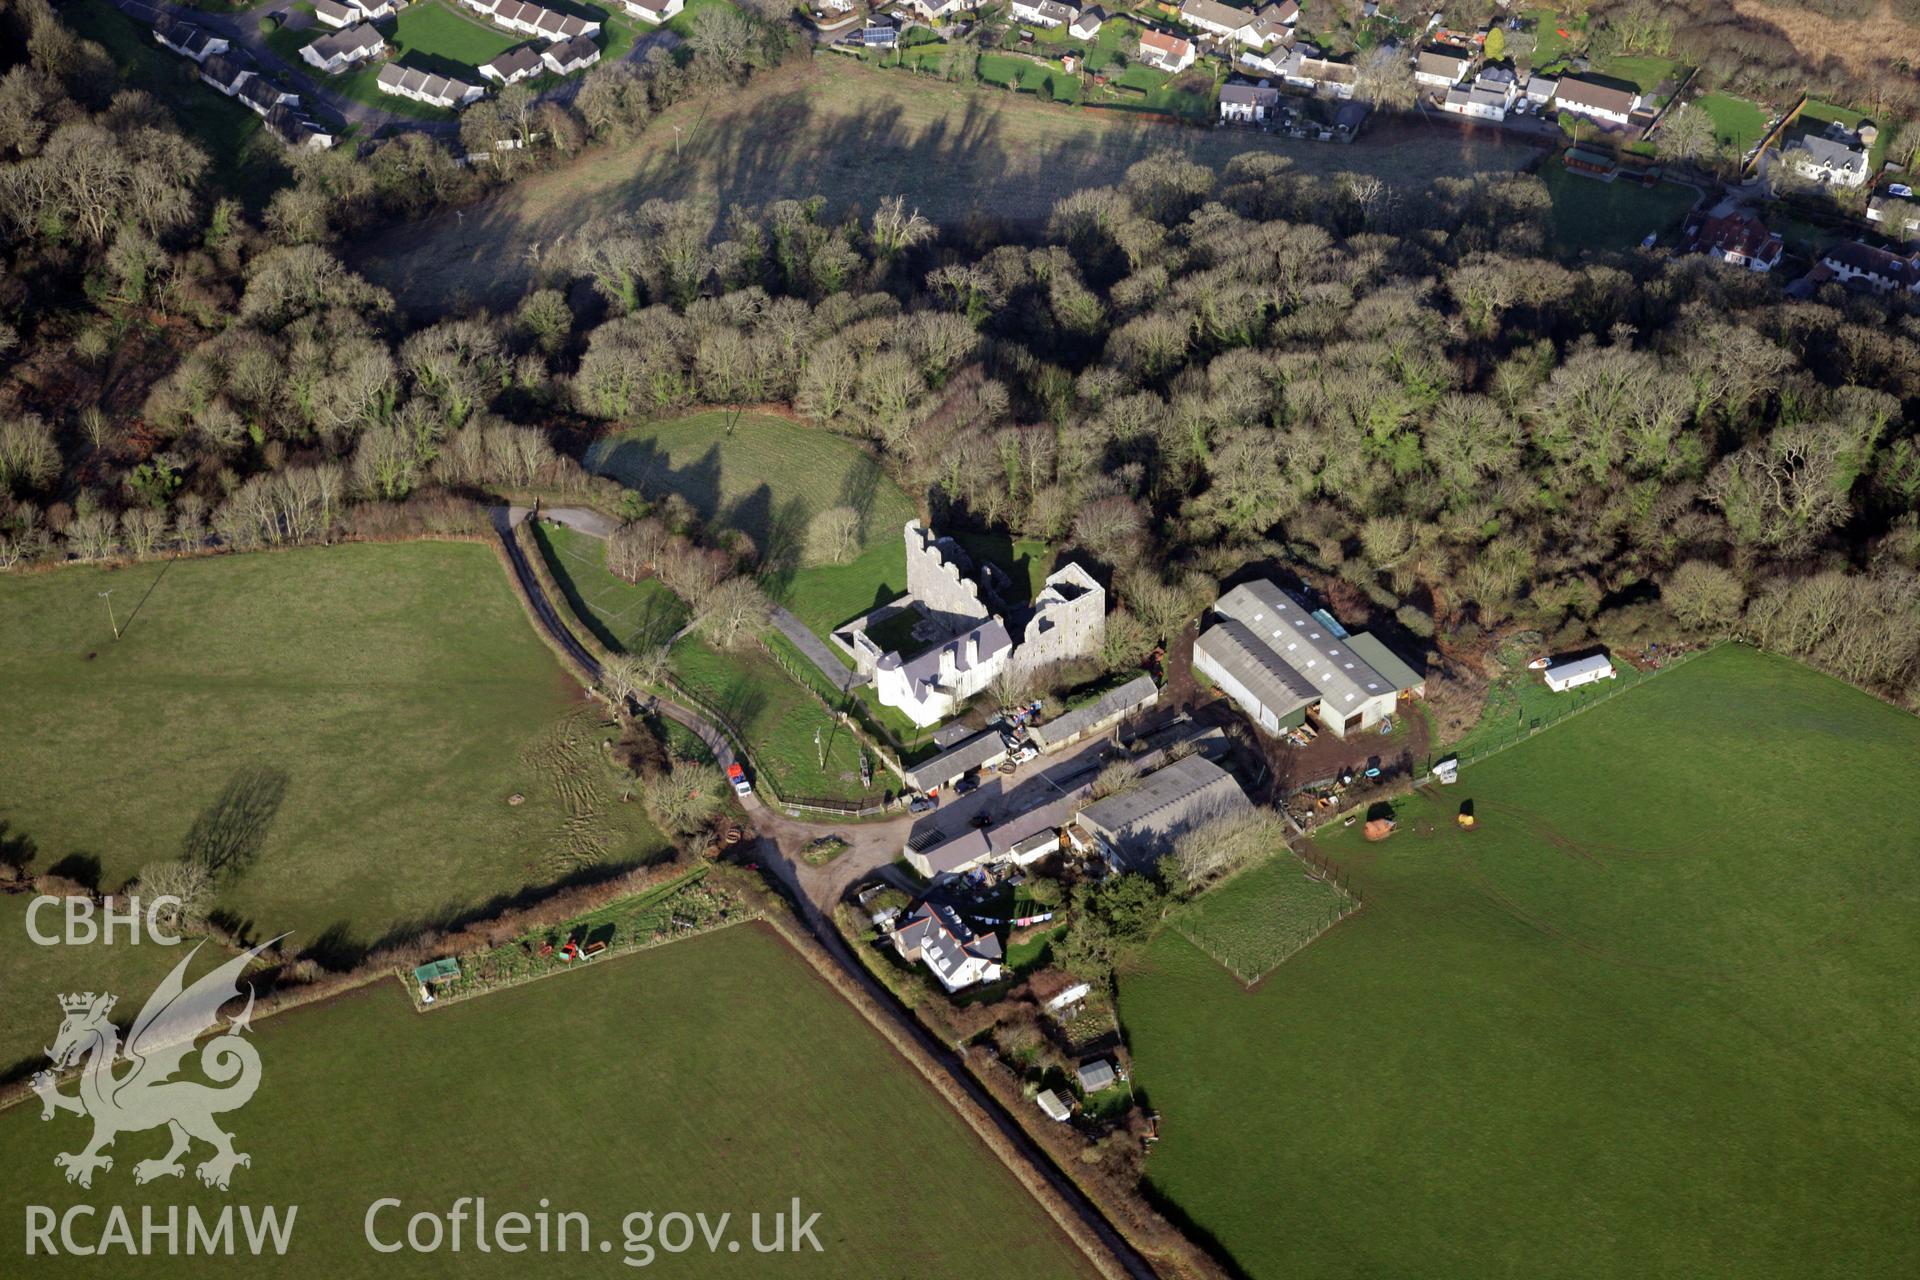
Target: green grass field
column 362, row 83
column 627, row 616
column 1655, row 1017
column 1646, row 71
column 1522, row 701
column 1608, row 216
column 34, row 975
column 1262, row 916
column 1737, row 122
column 341, row 727
column 1549, row 45
column 716, row 1075
column 779, row 719
column 832, row 126
column 436, row 36
column 768, row 477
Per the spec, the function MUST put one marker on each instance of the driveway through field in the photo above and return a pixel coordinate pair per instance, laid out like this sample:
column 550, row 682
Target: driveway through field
column 814, row 896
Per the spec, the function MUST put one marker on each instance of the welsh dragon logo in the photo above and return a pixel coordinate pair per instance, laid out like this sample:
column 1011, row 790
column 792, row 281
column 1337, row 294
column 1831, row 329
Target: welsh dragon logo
column 129, row 1089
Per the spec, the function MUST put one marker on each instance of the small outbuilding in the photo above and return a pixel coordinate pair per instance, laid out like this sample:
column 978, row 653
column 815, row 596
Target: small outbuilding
column 1049, row 1102
column 1096, row 1075
column 1563, row 676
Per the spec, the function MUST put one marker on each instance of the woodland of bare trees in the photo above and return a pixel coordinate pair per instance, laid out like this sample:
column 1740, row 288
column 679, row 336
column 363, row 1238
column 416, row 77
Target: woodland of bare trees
column 1398, row 391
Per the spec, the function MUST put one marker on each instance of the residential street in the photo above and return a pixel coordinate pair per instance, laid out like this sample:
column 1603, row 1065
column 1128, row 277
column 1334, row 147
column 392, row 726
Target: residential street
column 242, row 31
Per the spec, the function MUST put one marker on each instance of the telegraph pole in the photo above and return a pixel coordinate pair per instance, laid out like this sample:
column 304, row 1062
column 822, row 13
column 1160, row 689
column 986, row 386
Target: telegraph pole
column 107, row 595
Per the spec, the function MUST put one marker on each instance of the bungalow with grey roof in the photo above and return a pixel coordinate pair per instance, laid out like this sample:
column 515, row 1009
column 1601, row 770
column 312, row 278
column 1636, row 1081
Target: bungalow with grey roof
column 564, row 57
column 261, row 95
column 344, row 49
column 654, row 11
column 1607, row 103
column 513, row 66
column 334, row 14
column 298, row 130
column 1248, row 103
column 426, row 86
column 1442, row 67
column 186, row 39
column 224, row 73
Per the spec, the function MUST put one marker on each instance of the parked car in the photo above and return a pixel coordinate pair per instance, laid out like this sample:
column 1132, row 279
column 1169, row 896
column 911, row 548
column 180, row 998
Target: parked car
column 738, row 777
column 920, row 804
column 982, row 819
column 1025, row 752
column 971, row 782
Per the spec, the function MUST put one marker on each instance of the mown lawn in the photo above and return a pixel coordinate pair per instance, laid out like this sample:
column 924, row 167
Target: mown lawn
column 716, row 1075
column 434, row 36
column 1549, row 45
column 1737, row 122
column 1654, row 1017
column 1606, row 216
column 624, row 616
column 361, row 83
column 768, row 478
column 1521, row 700
column 1644, row 70
column 339, row 727
column 779, row 720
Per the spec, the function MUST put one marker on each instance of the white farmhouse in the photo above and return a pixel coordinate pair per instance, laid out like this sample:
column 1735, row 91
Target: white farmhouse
column 933, row 934
column 1044, row 13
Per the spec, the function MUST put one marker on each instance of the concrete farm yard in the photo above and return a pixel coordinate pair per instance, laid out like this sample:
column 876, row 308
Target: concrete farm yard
column 340, row 728
column 716, row 1075
column 1639, row 1022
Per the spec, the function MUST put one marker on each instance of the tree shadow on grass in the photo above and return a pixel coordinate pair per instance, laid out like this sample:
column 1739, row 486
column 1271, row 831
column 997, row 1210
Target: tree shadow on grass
column 228, row 836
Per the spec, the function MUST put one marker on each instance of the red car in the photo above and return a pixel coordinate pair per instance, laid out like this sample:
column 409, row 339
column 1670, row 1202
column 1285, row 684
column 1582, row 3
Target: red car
column 738, row 777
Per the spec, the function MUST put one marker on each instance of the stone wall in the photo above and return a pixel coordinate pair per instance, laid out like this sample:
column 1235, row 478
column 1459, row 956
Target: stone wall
column 939, row 579
column 1069, row 621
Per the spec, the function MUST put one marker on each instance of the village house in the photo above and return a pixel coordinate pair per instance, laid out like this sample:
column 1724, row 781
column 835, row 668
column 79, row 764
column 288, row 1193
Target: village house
column 1088, row 24
column 297, row 129
column 1305, row 68
column 1279, row 662
column 929, row 686
column 1829, row 160
column 513, row 66
column 1442, row 67
column 1166, row 51
column 654, row 11
column 532, row 20
column 1044, row 13
column 1489, row 97
column 564, row 57
column 186, row 39
column 333, row 13
column 1738, row 239
column 1256, row 29
column 1248, row 103
column 1539, row 90
column 1134, row 828
column 425, row 86
column 344, row 49
column 1852, row 262
column 932, row 9
column 932, row 933
column 1606, row 103
column 261, row 96
column 224, row 73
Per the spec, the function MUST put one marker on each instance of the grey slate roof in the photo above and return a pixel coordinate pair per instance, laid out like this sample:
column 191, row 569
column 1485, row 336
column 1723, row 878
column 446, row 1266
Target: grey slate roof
column 977, row 752
column 1143, row 822
column 943, row 939
column 1341, row 678
column 515, row 63
column 1834, row 155
column 1138, row 692
column 924, row 668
